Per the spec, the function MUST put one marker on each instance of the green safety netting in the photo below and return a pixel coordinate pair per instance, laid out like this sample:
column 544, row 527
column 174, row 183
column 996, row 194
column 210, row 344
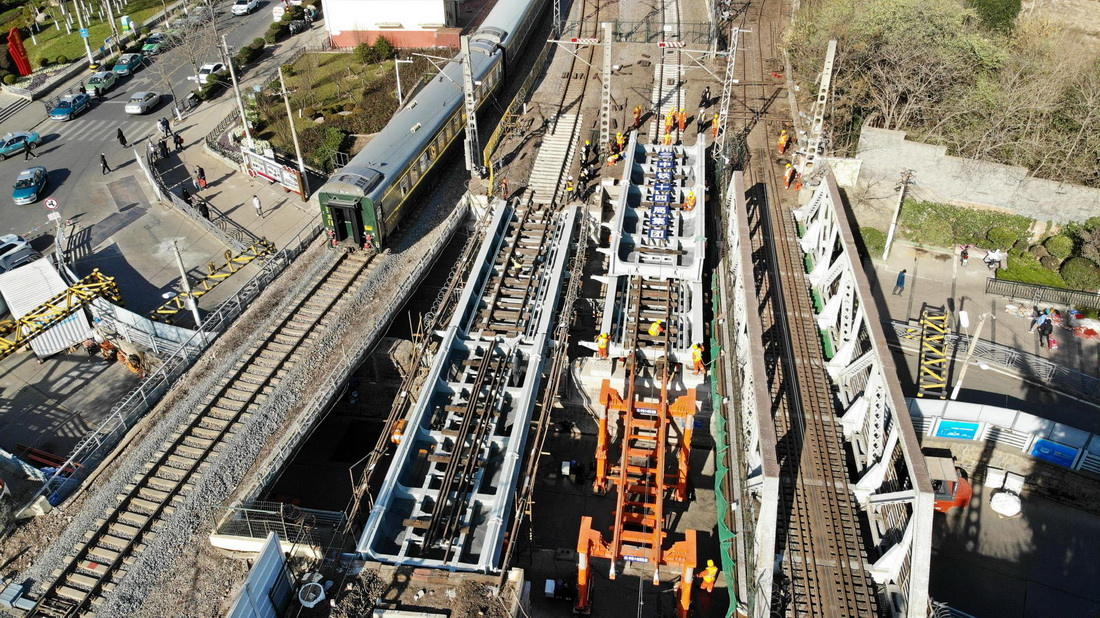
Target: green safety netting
column 726, row 536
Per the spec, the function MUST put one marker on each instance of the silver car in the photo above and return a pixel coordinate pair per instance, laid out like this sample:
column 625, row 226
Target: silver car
column 142, row 102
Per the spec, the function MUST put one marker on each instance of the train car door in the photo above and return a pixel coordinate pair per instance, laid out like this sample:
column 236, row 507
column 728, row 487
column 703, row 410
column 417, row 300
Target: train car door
column 347, row 222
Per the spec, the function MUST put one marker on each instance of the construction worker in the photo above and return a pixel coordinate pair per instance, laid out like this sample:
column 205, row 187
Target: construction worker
column 399, row 431
column 689, row 201
column 697, row 359
column 620, row 141
column 571, row 188
column 704, row 99
column 714, row 127
column 587, row 149
column 682, row 120
column 657, row 328
column 670, row 121
column 667, row 140
column 788, row 175
column 784, row 141
column 710, row 575
column 601, row 344
column 637, row 117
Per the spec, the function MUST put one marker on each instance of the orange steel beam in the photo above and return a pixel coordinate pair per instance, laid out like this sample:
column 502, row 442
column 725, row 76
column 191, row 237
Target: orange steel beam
column 624, row 468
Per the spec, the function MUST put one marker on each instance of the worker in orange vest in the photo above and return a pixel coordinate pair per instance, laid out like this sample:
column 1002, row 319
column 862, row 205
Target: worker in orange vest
column 620, row 141
column 601, row 344
column 710, row 575
column 657, row 328
column 682, row 121
column 714, row 127
column 788, row 175
column 613, row 159
column 637, row 117
column 689, row 201
column 697, row 359
column 667, row 140
column 670, row 121
column 784, row 141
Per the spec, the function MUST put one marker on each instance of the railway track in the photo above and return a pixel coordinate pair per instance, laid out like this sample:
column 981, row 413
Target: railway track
column 819, row 530
column 95, row 566
column 668, row 97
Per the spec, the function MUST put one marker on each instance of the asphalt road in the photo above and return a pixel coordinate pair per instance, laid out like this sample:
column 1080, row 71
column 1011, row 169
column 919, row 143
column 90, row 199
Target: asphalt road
column 70, row 150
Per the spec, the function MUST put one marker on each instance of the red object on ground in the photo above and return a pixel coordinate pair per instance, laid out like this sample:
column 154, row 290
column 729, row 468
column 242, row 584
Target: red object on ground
column 19, row 52
column 961, row 495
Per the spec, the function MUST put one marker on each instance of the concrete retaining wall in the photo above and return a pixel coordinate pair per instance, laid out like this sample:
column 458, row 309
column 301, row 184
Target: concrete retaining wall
column 939, row 177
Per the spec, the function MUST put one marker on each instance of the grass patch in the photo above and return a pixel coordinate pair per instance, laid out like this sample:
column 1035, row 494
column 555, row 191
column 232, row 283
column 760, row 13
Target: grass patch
column 54, row 42
column 1025, row 268
column 941, row 225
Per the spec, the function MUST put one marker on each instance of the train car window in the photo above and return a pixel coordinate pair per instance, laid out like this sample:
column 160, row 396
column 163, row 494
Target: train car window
column 433, row 150
column 457, row 122
column 425, row 160
column 404, row 185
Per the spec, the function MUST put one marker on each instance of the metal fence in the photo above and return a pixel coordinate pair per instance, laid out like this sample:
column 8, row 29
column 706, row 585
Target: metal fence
column 293, row 523
column 90, row 451
column 1041, row 293
column 1030, row 366
column 213, row 138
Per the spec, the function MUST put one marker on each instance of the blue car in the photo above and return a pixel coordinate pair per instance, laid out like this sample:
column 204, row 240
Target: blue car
column 29, row 185
column 70, row 105
column 12, row 144
column 127, row 64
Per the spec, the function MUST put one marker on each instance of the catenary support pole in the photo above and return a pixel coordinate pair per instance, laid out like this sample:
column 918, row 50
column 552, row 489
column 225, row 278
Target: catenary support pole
column 237, row 92
column 294, row 134
column 969, row 354
column 906, row 178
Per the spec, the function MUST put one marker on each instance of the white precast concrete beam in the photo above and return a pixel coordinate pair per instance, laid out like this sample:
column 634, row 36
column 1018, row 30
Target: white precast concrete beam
column 854, row 416
column 894, row 497
column 887, row 568
column 873, row 477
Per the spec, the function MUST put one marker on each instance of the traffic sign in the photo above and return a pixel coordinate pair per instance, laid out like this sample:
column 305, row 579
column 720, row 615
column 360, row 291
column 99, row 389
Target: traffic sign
column 84, row 32
column 51, row 203
column 580, row 41
column 54, row 216
column 672, row 44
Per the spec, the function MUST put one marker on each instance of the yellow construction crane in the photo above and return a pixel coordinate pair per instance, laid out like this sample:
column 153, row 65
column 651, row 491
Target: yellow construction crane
column 16, row 333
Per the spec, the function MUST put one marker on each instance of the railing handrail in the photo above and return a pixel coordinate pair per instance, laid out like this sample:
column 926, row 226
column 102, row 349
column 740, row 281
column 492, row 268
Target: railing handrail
column 1041, row 293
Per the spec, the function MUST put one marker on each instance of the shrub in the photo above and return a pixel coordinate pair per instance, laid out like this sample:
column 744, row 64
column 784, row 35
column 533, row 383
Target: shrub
column 1020, row 246
column 209, row 91
column 874, row 241
column 259, row 42
column 43, row 62
column 1059, row 246
column 349, row 106
column 310, row 113
column 1002, row 237
column 62, row 59
column 1050, row 262
column 997, row 14
column 365, row 54
column 1081, row 273
column 383, row 49
column 276, row 32
column 963, row 225
column 1039, row 251
column 10, row 79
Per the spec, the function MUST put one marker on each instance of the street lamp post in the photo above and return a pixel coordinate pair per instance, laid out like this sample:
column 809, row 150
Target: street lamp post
column 397, row 67
column 294, row 134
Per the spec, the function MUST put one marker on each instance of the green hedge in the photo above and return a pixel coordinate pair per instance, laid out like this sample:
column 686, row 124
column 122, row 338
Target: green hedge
column 874, row 241
column 1059, row 246
column 942, row 225
column 1081, row 273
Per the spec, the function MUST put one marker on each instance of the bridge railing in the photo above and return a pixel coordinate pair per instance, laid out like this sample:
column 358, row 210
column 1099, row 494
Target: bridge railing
column 1041, row 293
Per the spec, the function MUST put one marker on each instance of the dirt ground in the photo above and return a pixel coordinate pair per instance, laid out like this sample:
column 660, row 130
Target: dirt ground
column 1079, row 17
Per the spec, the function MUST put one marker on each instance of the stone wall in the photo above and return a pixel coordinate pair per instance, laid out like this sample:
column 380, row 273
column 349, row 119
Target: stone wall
column 939, row 177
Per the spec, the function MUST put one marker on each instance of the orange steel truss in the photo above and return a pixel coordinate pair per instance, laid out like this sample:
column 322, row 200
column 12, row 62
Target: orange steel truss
column 644, row 484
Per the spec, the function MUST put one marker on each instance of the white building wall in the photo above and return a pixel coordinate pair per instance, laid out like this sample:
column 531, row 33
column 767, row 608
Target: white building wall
column 372, row 15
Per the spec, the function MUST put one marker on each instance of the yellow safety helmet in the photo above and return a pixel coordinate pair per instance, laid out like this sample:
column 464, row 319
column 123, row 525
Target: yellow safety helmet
column 710, row 563
column 788, row 165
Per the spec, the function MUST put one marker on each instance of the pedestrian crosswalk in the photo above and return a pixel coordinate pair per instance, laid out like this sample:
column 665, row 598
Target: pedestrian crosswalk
column 83, row 129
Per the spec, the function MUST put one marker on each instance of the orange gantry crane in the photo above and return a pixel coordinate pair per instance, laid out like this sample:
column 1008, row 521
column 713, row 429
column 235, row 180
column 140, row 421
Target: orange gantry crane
column 638, row 534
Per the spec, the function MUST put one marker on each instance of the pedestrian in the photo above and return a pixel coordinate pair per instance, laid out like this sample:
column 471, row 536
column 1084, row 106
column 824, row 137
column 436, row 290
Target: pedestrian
column 97, row 93
column 83, row 90
column 103, row 162
column 162, row 147
column 177, row 139
column 259, row 208
column 200, row 177
column 185, row 195
column 151, row 152
column 121, row 137
column 204, row 210
column 27, row 152
column 899, row 285
column 1045, row 329
column 1040, row 319
column 710, row 575
column 704, row 99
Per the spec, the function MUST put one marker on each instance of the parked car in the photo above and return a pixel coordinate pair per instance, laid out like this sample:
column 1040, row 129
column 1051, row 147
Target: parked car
column 104, row 81
column 142, row 102
column 29, row 185
column 245, row 7
column 10, row 243
column 22, row 257
column 127, row 64
column 159, row 42
column 210, row 71
column 15, row 143
column 70, row 106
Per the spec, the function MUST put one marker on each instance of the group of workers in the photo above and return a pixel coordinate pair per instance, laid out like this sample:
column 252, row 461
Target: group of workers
column 656, row 329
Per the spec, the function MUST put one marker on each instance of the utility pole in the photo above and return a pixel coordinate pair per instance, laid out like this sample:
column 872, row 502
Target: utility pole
column 727, row 96
column 473, row 146
column 237, row 92
column 818, row 127
column 906, row 179
column 605, row 90
column 969, row 354
column 116, row 40
column 397, row 67
column 80, row 22
column 294, row 134
column 188, row 299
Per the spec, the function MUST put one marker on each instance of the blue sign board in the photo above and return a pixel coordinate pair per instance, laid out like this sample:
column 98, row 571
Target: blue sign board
column 959, row 430
column 1054, row 452
column 84, row 32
